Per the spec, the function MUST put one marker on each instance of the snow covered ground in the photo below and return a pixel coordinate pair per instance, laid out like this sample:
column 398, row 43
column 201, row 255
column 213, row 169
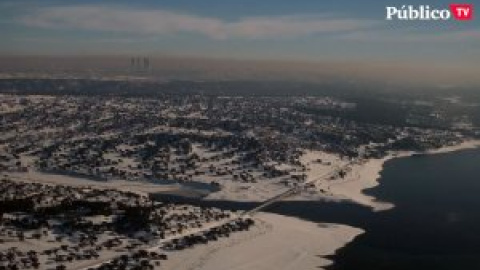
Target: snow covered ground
column 277, row 242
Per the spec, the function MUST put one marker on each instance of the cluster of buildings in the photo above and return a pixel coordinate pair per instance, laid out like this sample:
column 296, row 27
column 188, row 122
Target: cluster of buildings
column 184, row 138
column 64, row 227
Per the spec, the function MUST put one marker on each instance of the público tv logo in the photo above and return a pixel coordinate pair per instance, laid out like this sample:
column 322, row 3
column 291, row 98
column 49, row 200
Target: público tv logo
column 460, row 12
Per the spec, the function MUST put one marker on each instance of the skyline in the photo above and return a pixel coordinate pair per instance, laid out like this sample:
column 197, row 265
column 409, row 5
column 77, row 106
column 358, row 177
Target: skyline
column 330, row 31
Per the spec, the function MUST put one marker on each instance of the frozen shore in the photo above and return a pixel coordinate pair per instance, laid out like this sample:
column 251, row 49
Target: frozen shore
column 281, row 242
column 365, row 175
column 277, row 242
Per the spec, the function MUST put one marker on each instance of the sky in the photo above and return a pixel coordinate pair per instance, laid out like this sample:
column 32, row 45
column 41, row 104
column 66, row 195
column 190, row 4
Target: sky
column 313, row 30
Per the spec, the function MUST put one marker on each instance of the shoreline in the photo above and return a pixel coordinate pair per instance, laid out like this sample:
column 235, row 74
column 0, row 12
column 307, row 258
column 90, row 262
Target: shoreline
column 366, row 175
column 277, row 242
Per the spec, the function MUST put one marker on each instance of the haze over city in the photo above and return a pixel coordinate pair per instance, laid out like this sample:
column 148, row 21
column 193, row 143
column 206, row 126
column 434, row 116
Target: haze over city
column 346, row 35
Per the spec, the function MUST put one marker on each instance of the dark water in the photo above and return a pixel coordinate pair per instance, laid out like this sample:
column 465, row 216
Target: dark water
column 435, row 224
column 436, row 221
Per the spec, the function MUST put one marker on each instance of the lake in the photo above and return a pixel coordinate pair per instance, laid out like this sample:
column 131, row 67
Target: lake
column 436, row 221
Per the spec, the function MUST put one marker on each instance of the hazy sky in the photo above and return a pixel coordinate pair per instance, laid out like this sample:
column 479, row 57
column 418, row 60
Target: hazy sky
column 254, row 29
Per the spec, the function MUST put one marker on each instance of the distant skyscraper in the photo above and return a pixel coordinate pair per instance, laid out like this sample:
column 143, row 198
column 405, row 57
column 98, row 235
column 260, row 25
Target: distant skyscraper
column 139, row 64
column 146, row 63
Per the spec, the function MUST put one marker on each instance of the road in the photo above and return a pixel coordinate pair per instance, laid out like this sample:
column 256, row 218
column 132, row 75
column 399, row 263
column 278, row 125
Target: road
column 157, row 244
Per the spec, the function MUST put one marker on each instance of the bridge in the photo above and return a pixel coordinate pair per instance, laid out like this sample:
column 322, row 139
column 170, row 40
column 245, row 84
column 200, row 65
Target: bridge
column 295, row 190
